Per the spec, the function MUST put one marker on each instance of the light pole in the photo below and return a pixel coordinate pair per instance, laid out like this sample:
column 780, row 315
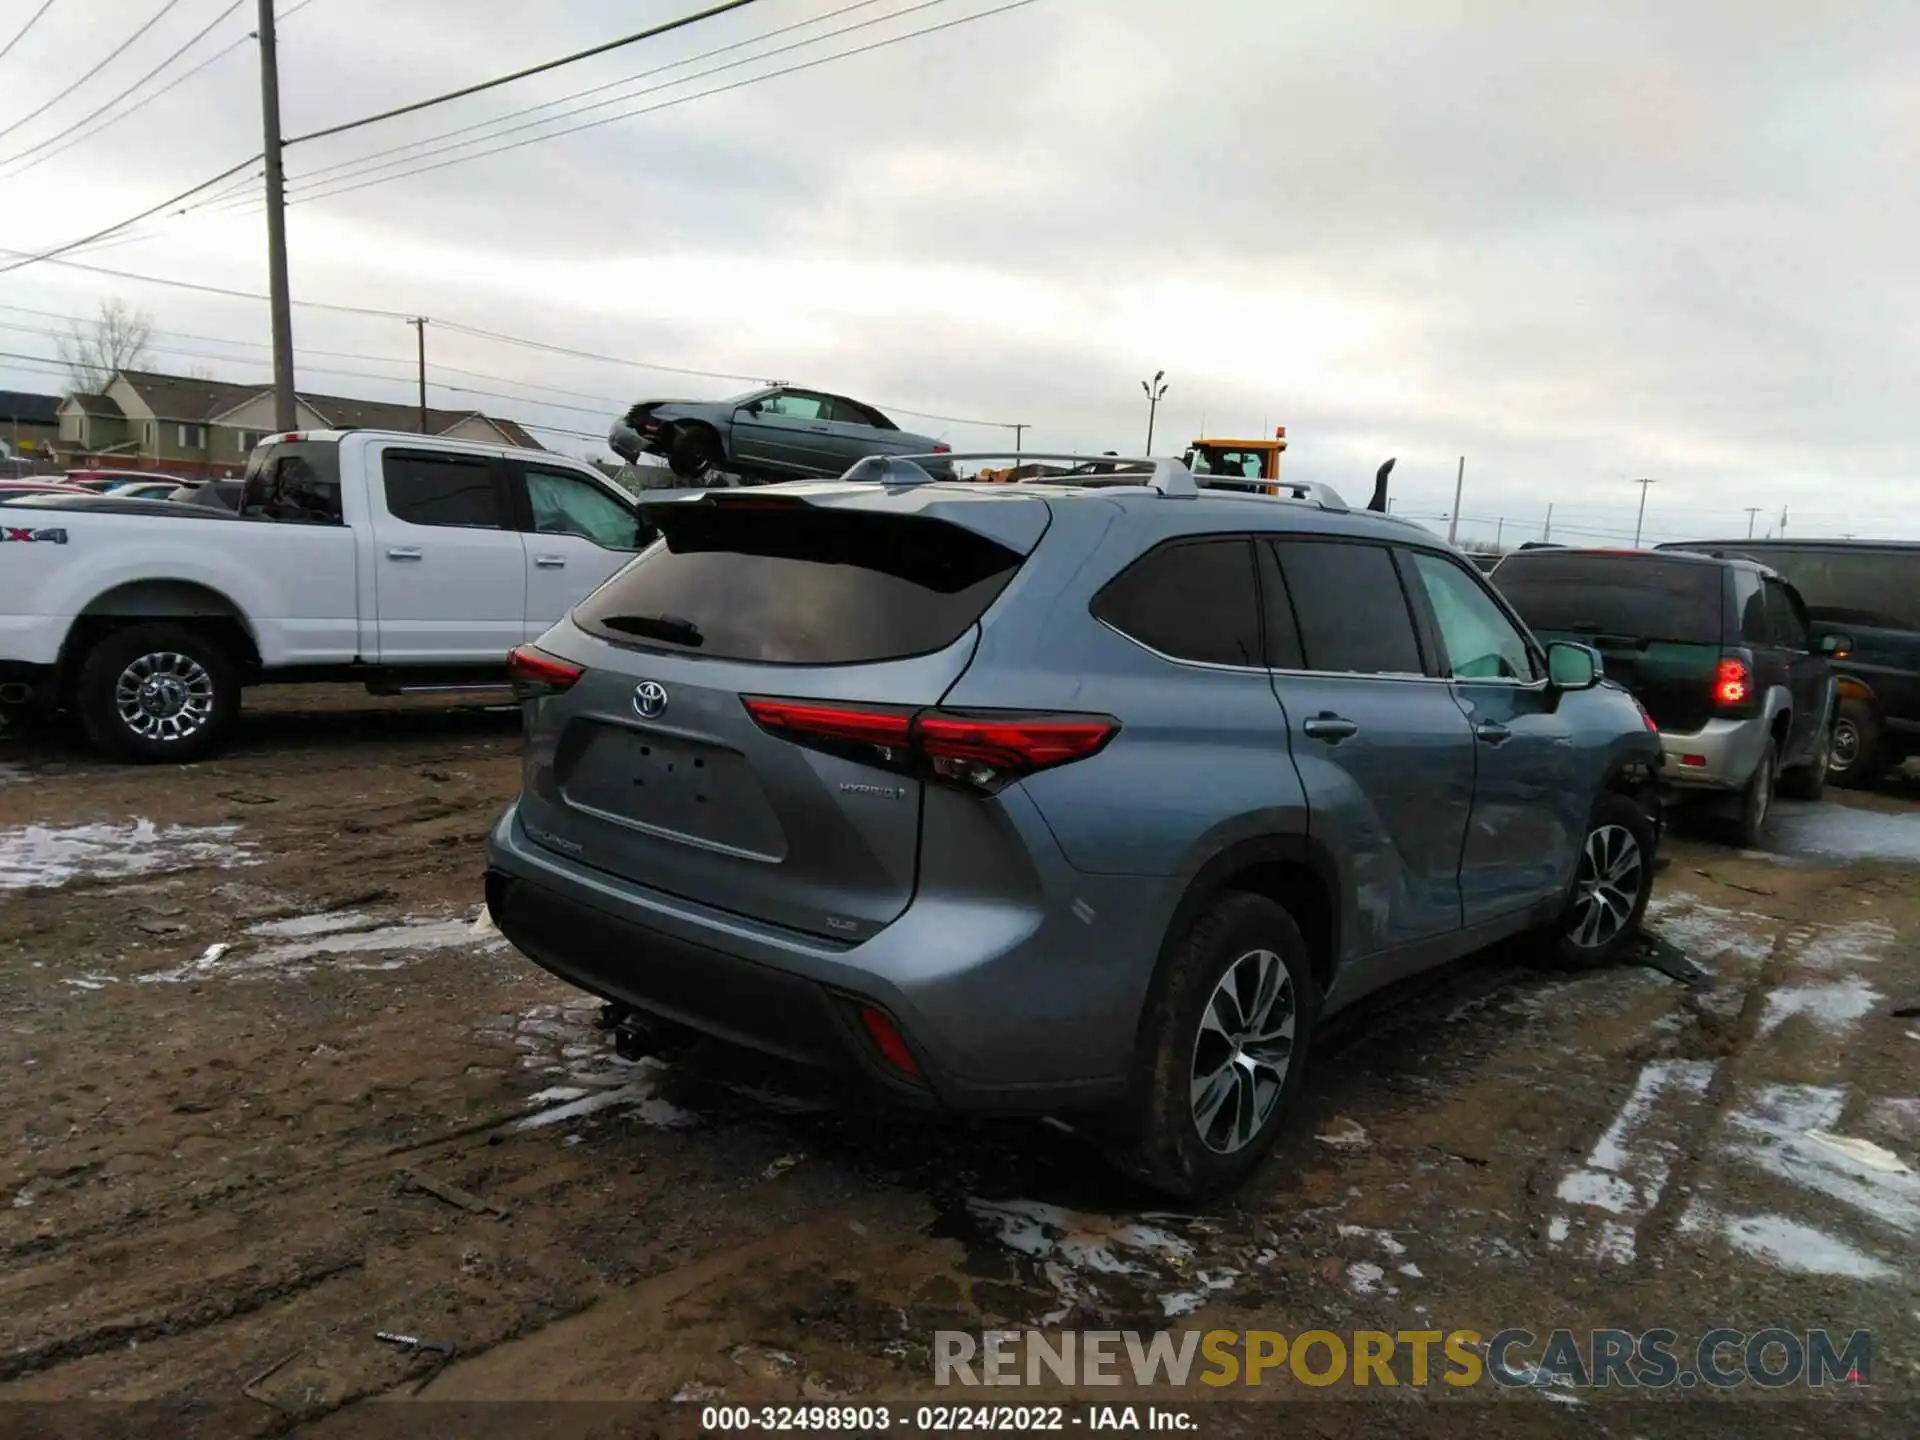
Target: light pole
column 1637, row 524
column 1155, row 389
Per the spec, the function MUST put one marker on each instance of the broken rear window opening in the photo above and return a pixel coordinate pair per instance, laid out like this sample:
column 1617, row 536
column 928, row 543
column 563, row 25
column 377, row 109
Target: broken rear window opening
column 1681, row 601
column 800, row 586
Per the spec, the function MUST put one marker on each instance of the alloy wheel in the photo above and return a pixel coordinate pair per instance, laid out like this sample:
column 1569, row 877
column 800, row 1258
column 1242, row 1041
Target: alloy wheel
column 1607, row 888
column 164, row 696
column 1243, row 1051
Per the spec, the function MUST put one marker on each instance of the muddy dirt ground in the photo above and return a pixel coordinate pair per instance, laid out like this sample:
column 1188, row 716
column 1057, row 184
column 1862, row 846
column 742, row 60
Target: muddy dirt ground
column 271, row 1085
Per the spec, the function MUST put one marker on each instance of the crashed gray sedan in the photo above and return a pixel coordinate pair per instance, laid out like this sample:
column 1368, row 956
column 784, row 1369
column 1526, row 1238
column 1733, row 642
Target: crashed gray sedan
column 776, row 434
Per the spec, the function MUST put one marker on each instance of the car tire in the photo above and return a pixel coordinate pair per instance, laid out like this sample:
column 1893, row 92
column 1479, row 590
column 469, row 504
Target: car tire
column 1612, row 883
column 1809, row 781
column 695, row 450
column 1241, row 971
column 158, row 693
column 1755, row 806
column 1857, row 751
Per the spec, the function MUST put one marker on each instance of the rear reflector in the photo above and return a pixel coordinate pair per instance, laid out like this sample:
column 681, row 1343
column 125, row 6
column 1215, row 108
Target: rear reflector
column 535, row 673
column 888, row 1039
column 981, row 749
column 1694, row 762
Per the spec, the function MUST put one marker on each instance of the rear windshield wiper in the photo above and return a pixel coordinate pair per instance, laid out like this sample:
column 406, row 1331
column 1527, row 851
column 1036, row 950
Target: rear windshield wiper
column 657, row 627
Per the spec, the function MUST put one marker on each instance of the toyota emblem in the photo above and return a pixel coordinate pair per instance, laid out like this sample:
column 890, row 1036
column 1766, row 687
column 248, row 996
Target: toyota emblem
column 649, row 699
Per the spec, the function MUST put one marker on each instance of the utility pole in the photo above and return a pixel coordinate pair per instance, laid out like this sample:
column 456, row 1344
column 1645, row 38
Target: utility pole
column 1499, row 530
column 1783, row 522
column 420, row 329
column 1752, row 510
column 1637, row 524
column 1154, row 391
column 1018, row 432
column 1459, row 483
column 284, row 414
column 1546, row 535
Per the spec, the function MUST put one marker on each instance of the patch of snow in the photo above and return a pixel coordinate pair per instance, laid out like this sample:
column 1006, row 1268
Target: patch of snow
column 301, row 926
column 638, row 1098
column 1836, row 1006
column 1383, row 1238
column 1830, row 947
column 1627, row 1170
column 1412, row 1271
column 1874, row 1157
column 40, row 857
column 1364, row 1277
column 1770, row 1133
column 1101, row 1244
column 1704, row 930
column 1187, row 1301
column 343, row 933
column 1787, row 1244
column 91, row 982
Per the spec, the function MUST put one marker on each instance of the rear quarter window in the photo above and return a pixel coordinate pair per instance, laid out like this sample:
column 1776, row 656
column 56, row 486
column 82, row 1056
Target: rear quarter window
column 298, row 481
column 1682, row 601
column 799, row 585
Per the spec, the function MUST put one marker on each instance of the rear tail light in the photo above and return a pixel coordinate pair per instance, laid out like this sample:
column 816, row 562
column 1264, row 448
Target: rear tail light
column 535, row 673
column 1732, row 681
column 940, row 449
column 982, row 749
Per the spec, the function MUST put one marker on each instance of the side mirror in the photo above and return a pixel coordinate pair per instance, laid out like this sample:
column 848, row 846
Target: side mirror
column 1572, row 667
column 1835, row 644
column 752, row 407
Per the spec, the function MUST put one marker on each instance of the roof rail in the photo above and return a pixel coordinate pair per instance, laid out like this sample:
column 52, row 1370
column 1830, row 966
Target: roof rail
column 1169, row 477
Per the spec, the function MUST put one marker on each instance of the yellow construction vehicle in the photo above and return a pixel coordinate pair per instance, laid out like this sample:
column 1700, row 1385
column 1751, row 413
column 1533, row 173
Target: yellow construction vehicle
column 1250, row 461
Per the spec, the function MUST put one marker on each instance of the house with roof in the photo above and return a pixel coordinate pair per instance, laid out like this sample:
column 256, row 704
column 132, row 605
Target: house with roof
column 29, row 423
column 180, row 423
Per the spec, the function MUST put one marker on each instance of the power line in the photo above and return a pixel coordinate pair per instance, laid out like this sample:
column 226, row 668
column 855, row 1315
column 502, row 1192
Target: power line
column 666, row 28
column 112, row 55
column 130, row 220
column 416, row 145
column 97, row 113
column 552, row 349
column 21, row 33
column 326, row 193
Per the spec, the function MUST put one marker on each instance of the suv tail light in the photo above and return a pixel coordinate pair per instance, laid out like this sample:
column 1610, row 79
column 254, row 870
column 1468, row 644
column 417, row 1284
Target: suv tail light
column 535, row 673
column 1732, row 682
column 982, row 749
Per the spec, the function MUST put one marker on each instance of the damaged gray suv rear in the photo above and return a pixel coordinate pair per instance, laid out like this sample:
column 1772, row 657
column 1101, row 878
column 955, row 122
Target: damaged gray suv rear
column 1090, row 797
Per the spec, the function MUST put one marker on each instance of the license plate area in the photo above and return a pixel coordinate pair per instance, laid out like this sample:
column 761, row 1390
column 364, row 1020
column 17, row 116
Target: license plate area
column 672, row 787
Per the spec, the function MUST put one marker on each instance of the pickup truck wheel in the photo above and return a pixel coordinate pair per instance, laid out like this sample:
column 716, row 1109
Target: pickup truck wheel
column 695, row 450
column 157, row 693
column 1611, row 886
column 1224, row 1052
column 1856, row 755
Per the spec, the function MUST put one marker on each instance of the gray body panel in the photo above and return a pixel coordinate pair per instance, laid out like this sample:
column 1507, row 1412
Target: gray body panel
column 1016, row 935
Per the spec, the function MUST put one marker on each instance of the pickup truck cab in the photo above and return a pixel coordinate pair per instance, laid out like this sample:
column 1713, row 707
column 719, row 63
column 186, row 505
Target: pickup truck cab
column 400, row 561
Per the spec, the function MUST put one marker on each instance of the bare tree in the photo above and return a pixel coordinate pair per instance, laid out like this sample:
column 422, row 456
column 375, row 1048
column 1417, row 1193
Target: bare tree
column 117, row 339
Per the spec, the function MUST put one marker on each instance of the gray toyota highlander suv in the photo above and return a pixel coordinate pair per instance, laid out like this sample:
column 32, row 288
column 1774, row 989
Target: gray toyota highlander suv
column 1084, row 796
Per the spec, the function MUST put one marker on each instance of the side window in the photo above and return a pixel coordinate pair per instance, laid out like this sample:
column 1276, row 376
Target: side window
column 1789, row 628
column 847, row 412
column 795, row 405
column 456, row 490
column 297, row 482
column 1190, row 600
column 1750, row 603
column 1482, row 644
column 566, row 504
column 1351, row 612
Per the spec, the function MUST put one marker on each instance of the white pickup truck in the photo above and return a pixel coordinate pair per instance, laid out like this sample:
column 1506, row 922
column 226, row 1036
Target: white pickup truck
column 401, row 561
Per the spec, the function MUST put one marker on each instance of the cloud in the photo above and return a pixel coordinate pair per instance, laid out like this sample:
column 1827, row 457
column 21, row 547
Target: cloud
column 1577, row 244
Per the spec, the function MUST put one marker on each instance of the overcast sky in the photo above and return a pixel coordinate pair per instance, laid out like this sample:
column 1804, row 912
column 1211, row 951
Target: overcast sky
column 1577, row 243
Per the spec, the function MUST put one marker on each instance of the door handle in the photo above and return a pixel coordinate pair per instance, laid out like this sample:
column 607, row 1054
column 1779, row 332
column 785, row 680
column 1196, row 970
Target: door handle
column 821, row 429
column 550, row 562
column 1491, row 733
column 402, row 552
column 1330, row 727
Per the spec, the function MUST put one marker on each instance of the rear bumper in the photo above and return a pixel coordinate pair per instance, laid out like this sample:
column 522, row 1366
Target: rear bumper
column 987, row 998
column 1722, row 755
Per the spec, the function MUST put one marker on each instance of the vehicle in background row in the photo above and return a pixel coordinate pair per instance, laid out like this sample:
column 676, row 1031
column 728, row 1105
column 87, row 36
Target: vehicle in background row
column 1229, row 462
column 773, row 434
column 101, row 481
column 1870, row 590
column 146, row 489
column 215, row 494
column 1086, row 795
column 1719, row 651
column 392, row 560
column 13, row 489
